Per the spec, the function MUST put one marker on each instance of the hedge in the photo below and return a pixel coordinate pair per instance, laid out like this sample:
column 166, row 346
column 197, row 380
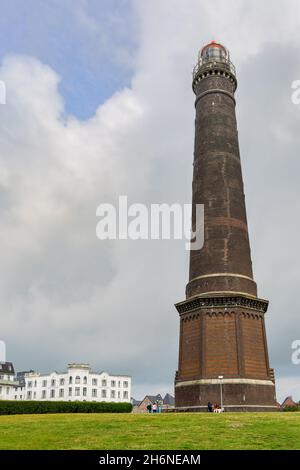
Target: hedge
column 10, row 407
column 291, row 408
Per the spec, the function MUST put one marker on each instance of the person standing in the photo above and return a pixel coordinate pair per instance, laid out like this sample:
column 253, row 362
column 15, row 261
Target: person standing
column 149, row 408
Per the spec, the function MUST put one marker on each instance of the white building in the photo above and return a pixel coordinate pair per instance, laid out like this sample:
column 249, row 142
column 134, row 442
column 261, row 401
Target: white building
column 9, row 387
column 79, row 383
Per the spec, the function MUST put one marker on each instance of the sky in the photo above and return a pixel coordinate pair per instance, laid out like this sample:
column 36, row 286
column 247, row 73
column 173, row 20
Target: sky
column 99, row 104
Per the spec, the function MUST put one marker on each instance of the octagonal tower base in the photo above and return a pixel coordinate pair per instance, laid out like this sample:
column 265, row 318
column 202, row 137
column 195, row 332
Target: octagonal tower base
column 238, row 395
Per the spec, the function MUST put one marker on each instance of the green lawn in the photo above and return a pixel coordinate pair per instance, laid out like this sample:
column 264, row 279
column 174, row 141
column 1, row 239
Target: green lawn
column 144, row 431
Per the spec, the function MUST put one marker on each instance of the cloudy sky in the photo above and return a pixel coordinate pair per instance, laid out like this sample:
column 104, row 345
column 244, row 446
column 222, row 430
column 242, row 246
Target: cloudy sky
column 99, row 103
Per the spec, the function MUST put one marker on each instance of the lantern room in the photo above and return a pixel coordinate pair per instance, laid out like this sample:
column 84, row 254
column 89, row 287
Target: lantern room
column 214, row 52
column 213, row 59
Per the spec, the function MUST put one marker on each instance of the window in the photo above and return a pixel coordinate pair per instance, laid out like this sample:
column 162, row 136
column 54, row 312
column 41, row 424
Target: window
column 1, row 377
column 85, row 379
column 113, row 383
column 0, row 389
column 125, row 384
column 28, row 395
column 61, row 392
column 70, row 379
column 113, row 394
column 44, row 384
column 7, row 390
column 94, row 382
column 125, row 394
column 35, row 383
column 119, row 383
column 29, row 384
column 119, row 394
column 84, row 391
column 53, row 383
column 77, row 391
column 77, row 379
column 104, row 383
column 62, row 382
column 52, row 393
column 44, row 394
column 94, row 392
column 34, row 394
column 70, row 391
column 103, row 393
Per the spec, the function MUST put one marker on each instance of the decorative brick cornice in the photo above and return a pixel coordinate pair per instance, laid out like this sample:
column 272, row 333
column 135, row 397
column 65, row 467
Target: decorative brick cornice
column 222, row 301
column 189, row 316
column 213, row 69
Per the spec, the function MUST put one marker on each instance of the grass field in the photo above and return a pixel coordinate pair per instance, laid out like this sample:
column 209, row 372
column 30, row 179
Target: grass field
column 163, row 431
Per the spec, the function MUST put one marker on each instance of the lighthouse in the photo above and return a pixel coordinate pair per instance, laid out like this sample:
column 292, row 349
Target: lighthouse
column 223, row 354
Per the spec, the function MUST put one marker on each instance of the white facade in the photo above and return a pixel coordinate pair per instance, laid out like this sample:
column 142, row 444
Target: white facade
column 9, row 387
column 79, row 383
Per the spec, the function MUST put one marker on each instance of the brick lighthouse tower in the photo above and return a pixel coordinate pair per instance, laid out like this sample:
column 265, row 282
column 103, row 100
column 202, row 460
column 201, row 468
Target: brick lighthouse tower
column 223, row 355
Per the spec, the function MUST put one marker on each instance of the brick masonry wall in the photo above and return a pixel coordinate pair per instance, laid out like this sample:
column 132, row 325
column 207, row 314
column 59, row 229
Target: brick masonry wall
column 231, row 344
column 233, row 394
column 190, row 349
column 221, row 346
column 218, row 184
column 254, row 354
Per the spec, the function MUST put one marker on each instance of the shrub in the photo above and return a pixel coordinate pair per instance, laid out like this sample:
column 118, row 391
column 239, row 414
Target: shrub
column 10, row 407
column 291, row 408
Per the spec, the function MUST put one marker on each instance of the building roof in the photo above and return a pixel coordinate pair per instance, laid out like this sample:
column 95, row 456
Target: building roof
column 135, row 402
column 154, row 398
column 111, row 375
column 71, row 371
column 169, row 400
column 21, row 376
column 289, row 402
column 7, row 368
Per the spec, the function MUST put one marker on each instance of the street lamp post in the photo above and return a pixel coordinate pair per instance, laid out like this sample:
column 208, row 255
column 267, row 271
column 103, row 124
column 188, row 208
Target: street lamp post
column 221, row 391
